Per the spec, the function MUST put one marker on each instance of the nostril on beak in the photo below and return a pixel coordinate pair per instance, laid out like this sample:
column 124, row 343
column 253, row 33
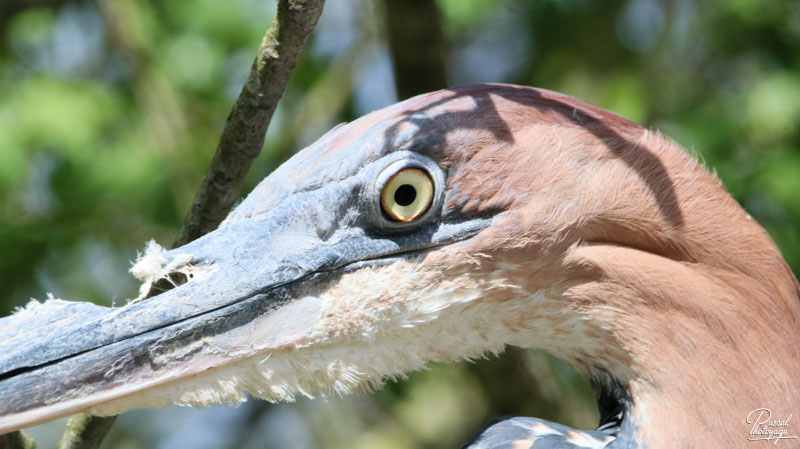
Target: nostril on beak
column 160, row 272
column 168, row 282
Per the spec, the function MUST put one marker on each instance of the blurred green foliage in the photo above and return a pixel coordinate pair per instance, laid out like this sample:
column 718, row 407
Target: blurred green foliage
column 110, row 112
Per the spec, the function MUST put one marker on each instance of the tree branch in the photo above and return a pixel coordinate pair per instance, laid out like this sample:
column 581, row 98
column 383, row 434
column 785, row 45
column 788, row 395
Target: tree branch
column 244, row 131
column 417, row 46
column 17, row 440
column 240, row 143
column 85, row 431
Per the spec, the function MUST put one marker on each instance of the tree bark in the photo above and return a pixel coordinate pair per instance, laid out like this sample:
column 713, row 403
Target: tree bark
column 85, row 431
column 17, row 440
column 240, row 143
column 243, row 135
column 417, row 46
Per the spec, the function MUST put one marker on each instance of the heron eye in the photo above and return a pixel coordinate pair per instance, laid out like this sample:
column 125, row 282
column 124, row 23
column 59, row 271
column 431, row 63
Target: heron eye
column 407, row 195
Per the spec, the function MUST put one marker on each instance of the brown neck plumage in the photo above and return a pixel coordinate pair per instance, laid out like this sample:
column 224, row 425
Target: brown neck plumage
column 700, row 304
column 652, row 278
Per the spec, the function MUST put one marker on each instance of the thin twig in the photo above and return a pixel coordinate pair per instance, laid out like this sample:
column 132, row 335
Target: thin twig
column 417, row 46
column 17, row 440
column 85, row 431
column 244, row 132
column 240, row 143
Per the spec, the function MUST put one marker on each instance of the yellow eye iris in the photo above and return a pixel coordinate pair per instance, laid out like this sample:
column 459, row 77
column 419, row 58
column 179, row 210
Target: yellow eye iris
column 407, row 195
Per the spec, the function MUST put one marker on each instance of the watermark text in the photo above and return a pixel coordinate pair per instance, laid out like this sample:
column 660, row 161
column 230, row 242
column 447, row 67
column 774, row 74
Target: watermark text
column 767, row 429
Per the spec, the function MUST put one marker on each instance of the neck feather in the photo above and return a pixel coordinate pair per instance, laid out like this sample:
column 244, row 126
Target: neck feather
column 687, row 350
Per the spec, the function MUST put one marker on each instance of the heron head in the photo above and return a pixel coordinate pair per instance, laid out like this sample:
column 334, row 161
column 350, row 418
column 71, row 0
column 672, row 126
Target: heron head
column 441, row 228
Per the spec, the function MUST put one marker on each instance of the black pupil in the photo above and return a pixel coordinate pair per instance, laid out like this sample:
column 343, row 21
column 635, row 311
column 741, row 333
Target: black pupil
column 405, row 195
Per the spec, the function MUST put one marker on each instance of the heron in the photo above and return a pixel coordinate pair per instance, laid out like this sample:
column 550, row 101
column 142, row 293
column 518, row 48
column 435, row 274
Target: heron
column 447, row 227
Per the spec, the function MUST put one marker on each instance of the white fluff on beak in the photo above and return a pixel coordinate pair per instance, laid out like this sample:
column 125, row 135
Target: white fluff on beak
column 152, row 266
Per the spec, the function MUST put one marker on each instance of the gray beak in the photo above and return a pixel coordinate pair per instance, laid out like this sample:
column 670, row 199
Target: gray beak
column 253, row 290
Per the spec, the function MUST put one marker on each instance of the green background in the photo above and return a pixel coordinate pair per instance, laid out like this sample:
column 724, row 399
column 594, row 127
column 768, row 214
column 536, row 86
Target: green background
column 110, row 112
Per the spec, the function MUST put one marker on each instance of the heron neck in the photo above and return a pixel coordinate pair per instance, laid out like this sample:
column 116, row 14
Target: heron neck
column 694, row 350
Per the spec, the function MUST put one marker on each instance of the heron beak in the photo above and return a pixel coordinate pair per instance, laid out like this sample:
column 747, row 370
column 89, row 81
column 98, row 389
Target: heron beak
column 253, row 289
